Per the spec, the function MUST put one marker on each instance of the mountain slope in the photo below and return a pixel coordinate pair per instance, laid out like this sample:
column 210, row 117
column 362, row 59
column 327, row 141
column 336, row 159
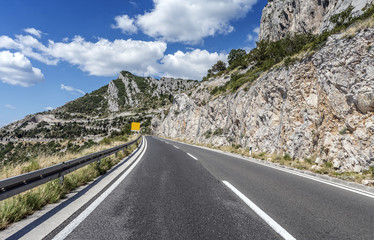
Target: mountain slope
column 316, row 105
column 105, row 111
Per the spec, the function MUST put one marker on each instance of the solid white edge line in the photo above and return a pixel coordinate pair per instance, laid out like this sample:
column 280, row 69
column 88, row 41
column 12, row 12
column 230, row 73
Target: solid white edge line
column 73, row 224
column 328, row 182
column 273, row 224
column 192, row 156
column 337, row 185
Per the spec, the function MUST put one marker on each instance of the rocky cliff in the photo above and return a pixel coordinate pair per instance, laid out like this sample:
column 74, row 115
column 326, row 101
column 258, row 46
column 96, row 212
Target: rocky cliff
column 321, row 106
column 281, row 17
column 130, row 91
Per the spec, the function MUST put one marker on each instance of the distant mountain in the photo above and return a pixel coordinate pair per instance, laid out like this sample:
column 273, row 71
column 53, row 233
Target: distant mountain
column 108, row 110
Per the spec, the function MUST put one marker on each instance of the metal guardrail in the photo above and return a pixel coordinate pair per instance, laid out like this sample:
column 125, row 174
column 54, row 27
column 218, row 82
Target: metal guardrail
column 18, row 184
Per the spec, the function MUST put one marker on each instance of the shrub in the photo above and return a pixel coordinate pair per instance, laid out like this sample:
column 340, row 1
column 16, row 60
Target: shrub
column 287, row 157
column 218, row 131
column 208, row 134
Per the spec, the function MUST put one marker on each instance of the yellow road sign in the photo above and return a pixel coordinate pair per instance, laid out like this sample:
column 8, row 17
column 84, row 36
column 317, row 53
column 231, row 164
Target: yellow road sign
column 135, row 126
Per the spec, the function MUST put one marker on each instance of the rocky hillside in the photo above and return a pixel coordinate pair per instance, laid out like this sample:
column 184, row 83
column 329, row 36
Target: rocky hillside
column 281, row 17
column 108, row 110
column 317, row 104
column 308, row 95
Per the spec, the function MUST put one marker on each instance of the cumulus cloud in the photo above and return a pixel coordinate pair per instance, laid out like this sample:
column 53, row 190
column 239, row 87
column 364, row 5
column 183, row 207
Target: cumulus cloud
column 108, row 58
column 192, row 65
column 125, row 23
column 72, row 89
column 190, row 21
column 10, row 106
column 8, row 43
column 33, row 31
column 101, row 58
column 16, row 69
column 28, row 46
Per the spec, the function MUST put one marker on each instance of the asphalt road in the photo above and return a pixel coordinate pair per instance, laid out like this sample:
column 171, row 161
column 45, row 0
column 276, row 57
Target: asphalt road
column 306, row 209
column 172, row 195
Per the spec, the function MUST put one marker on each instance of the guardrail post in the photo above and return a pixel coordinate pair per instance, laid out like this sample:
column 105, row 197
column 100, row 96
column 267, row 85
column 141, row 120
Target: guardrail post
column 61, row 178
column 116, row 154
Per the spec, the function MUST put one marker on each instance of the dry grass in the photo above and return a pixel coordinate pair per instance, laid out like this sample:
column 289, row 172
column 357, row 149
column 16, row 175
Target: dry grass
column 359, row 26
column 17, row 207
column 43, row 160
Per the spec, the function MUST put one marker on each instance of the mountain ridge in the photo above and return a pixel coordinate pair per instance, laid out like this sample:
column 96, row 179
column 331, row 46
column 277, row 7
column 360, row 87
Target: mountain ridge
column 101, row 112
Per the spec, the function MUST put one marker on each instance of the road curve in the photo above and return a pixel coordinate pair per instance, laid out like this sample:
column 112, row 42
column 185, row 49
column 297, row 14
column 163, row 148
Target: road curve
column 179, row 191
column 170, row 195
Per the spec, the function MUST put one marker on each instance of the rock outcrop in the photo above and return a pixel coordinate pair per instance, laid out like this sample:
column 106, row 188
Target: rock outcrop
column 112, row 97
column 321, row 106
column 281, row 17
column 150, row 87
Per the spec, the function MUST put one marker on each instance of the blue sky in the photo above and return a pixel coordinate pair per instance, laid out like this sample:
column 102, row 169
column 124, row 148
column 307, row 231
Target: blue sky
column 52, row 52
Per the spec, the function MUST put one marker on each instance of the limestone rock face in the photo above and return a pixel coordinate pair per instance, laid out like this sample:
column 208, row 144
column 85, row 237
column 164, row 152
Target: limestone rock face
column 322, row 105
column 112, row 97
column 131, row 90
column 280, row 17
column 138, row 89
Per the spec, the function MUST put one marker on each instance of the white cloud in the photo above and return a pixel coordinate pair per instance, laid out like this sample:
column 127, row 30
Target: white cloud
column 10, row 106
column 28, row 46
column 49, row 108
column 254, row 35
column 126, row 24
column 191, row 65
column 72, row 89
column 8, row 43
column 106, row 58
column 33, row 31
column 31, row 47
column 252, row 38
column 190, row 21
column 16, row 69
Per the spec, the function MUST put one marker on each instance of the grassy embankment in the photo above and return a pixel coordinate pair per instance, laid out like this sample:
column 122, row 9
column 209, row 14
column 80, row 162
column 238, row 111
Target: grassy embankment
column 18, row 207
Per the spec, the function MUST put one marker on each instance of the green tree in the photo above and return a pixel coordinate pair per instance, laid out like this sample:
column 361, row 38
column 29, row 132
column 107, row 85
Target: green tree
column 218, row 67
column 236, row 58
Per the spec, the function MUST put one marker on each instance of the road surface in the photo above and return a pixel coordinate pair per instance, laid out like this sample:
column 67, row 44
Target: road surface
column 179, row 191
